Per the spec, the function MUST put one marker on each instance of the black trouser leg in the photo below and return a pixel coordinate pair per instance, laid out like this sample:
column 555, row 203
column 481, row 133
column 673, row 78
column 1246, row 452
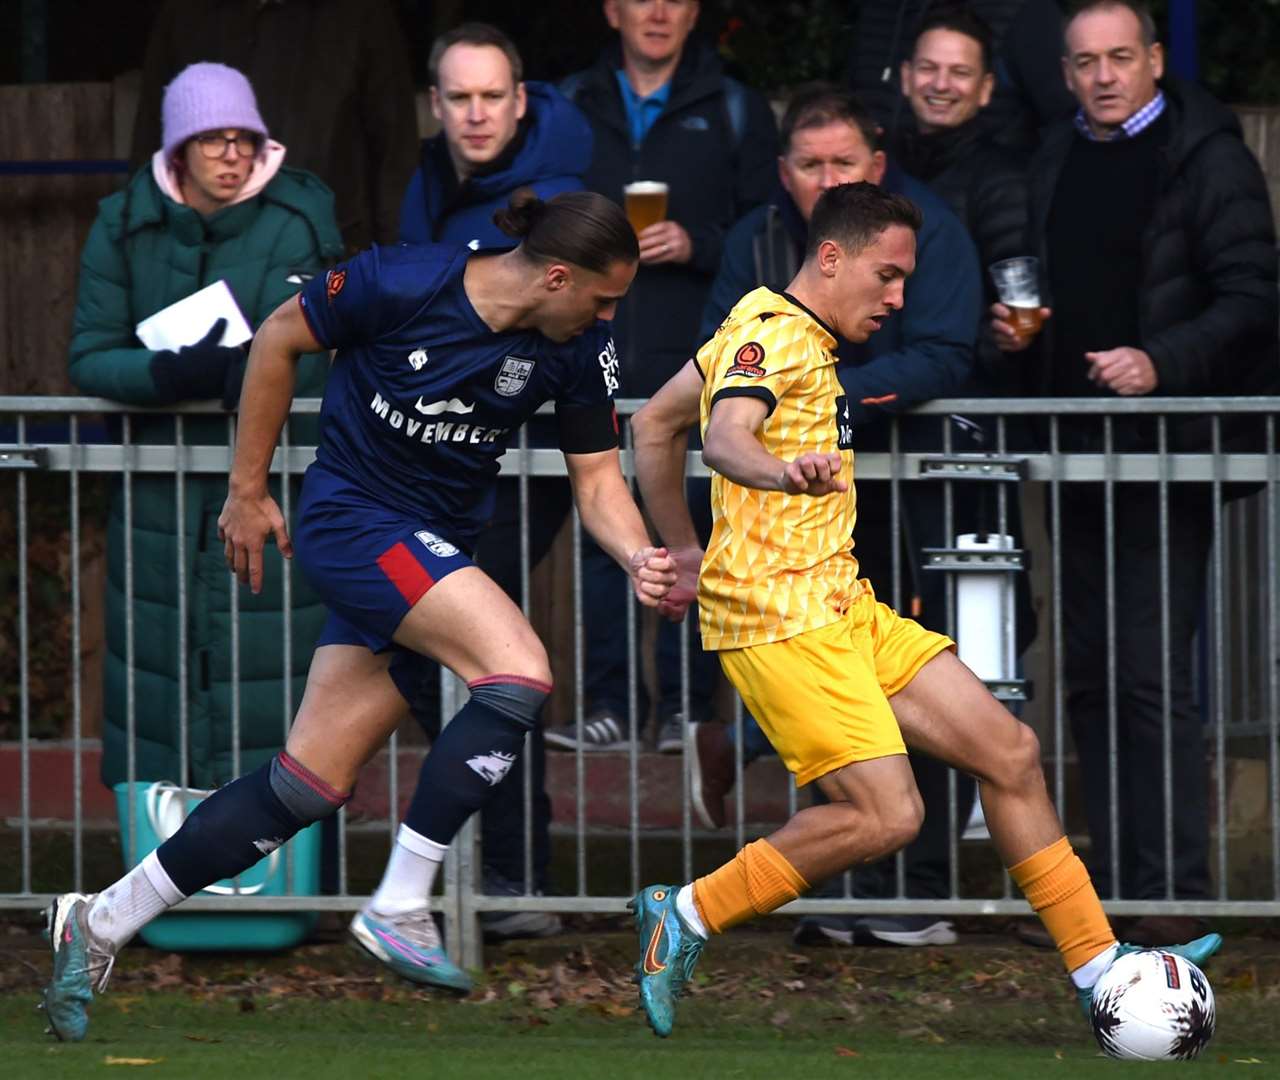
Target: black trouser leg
column 1140, row 692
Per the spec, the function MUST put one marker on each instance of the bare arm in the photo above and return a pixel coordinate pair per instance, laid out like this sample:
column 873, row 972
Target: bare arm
column 660, row 431
column 250, row 514
column 661, row 434
column 732, row 449
column 610, row 515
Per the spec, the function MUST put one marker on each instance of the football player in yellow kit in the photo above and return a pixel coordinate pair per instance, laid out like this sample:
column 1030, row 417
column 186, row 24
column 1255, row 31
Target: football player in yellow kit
column 837, row 680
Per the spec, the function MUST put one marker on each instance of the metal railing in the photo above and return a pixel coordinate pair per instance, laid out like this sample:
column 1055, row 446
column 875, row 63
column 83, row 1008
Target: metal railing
column 1240, row 633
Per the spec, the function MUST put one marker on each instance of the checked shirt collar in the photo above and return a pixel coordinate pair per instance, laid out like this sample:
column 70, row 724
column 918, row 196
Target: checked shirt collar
column 1137, row 123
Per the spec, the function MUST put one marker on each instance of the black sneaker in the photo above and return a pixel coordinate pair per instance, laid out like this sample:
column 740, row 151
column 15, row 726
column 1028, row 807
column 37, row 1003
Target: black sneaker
column 505, row 925
column 602, row 729
column 825, row 930
column 907, row 930
column 671, row 734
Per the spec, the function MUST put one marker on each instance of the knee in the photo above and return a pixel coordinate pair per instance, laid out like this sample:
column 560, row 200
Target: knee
column 901, row 825
column 1019, row 761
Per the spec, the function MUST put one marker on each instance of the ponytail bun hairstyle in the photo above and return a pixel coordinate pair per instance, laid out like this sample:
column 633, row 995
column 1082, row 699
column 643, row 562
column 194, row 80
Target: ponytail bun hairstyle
column 578, row 227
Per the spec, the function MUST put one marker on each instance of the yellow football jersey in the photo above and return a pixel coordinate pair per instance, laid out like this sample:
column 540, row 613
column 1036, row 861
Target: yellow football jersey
column 777, row 564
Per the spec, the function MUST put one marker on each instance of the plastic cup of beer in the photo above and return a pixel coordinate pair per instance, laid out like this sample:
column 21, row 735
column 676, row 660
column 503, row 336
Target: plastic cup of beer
column 1018, row 286
column 646, row 203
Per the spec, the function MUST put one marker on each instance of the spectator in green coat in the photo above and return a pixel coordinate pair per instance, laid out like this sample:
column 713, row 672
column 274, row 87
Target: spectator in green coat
column 215, row 203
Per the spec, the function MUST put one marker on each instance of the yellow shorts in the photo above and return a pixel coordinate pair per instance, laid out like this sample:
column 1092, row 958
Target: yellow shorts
column 822, row 697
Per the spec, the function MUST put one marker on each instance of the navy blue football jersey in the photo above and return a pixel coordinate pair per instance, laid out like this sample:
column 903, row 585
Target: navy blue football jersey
column 424, row 398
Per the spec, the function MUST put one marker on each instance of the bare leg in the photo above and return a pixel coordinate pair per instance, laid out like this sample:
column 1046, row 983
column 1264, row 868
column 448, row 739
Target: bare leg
column 351, row 705
column 947, row 712
column 875, row 809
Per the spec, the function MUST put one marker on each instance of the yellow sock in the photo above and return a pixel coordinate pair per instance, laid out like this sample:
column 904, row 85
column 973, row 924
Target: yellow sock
column 758, row 880
column 1057, row 886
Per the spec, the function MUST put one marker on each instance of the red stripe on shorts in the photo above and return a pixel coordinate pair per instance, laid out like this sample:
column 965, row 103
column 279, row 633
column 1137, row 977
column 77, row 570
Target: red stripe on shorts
column 405, row 573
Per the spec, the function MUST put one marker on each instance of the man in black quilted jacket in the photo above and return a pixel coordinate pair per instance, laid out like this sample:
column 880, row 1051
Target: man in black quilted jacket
column 1157, row 252
column 948, row 82
column 662, row 109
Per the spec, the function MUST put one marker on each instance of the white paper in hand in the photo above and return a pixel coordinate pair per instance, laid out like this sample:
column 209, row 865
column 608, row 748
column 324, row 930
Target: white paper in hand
column 187, row 321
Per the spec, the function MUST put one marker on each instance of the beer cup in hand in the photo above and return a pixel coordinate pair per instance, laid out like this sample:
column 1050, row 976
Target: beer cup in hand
column 1018, row 286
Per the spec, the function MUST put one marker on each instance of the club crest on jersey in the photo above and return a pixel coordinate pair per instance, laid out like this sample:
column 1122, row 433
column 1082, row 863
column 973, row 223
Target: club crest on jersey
column 748, row 361
column 513, row 376
column 418, row 359
column 435, row 544
column 334, row 280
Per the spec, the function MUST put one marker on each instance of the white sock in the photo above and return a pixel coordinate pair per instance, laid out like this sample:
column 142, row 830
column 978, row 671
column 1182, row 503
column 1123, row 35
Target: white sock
column 689, row 912
column 1089, row 973
column 410, row 873
column 122, row 909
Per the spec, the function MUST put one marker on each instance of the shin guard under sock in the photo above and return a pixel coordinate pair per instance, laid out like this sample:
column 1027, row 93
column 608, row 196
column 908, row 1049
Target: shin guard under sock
column 243, row 822
column 475, row 750
column 1058, row 888
column 757, row 881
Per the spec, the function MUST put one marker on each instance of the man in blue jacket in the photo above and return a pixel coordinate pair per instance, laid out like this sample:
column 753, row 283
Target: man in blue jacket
column 498, row 134
column 662, row 109
column 924, row 351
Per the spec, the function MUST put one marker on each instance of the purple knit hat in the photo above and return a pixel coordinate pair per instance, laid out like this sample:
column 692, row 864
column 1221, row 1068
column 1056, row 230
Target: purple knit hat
column 207, row 97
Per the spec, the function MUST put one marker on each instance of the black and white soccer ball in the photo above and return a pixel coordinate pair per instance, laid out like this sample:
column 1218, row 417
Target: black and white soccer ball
column 1153, row 1006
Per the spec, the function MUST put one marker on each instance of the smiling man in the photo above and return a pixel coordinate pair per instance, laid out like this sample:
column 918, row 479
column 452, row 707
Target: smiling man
column 947, row 82
column 1154, row 230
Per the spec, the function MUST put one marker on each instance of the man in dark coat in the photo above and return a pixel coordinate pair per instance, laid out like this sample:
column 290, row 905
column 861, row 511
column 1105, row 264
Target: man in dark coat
column 333, row 82
column 923, row 351
column 662, row 109
column 1156, row 241
column 1027, row 93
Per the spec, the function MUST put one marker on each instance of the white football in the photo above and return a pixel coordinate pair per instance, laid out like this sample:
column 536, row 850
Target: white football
column 1153, row 1006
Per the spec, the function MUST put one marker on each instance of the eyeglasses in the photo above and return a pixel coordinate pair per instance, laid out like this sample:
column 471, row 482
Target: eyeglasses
column 215, row 146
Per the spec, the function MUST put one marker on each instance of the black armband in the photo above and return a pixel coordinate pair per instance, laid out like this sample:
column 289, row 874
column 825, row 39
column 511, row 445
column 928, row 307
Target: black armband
column 587, row 429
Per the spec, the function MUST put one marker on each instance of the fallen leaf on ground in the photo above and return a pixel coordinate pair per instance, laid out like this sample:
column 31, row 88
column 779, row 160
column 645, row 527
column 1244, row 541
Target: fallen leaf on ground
column 109, row 1060
column 844, row 1051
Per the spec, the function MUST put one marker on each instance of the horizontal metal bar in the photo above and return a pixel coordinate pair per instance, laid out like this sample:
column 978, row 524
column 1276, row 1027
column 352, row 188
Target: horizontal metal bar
column 616, row 905
column 973, row 467
column 968, row 561
column 1119, row 406
column 1071, row 468
column 1009, row 689
column 24, row 457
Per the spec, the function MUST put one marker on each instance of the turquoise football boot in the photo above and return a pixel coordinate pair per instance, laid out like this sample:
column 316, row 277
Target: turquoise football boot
column 669, row 951
column 409, row 945
column 1197, row 951
column 81, row 965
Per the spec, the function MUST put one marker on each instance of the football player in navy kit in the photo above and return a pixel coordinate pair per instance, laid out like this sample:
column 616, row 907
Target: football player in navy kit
column 441, row 354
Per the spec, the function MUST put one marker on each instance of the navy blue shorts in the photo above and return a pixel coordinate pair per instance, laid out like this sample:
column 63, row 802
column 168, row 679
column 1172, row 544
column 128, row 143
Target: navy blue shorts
column 369, row 563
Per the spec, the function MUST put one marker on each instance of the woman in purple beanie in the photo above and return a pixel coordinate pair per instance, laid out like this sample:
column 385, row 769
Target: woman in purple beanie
column 216, row 203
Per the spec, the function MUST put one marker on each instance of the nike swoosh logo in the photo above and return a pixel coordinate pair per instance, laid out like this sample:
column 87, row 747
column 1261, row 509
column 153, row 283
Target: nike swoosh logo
column 651, row 964
column 453, row 405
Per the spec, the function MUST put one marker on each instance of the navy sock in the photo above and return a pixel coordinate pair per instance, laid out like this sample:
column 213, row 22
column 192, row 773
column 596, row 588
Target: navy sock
column 245, row 821
column 473, row 753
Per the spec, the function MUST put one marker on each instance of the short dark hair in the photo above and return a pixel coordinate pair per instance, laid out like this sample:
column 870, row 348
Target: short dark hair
column 961, row 19
column 853, row 215
column 1140, row 8
column 473, row 33
column 818, row 104
column 578, row 227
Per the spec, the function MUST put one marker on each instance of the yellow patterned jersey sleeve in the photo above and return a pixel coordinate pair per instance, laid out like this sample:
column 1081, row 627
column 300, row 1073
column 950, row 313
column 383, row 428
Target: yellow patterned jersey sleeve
column 777, row 564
